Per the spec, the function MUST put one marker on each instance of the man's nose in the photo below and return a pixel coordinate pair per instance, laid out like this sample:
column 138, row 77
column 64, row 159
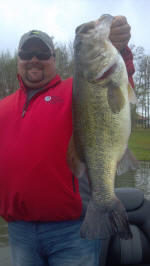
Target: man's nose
column 34, row 59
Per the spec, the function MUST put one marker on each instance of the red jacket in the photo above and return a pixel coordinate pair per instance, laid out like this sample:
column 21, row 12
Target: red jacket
column 35, row 181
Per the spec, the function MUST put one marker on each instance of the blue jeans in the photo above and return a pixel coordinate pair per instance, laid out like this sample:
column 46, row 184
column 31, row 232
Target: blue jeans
column 51, row 243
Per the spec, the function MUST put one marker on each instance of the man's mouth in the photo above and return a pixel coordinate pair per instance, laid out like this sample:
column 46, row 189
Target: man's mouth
column 34, row 67
column 34, row 73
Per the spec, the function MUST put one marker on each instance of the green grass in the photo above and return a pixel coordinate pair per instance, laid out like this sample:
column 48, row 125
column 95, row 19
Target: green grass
column 139, row 143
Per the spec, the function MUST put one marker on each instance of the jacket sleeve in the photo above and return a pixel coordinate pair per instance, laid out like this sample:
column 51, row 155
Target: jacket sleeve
column 128, row 59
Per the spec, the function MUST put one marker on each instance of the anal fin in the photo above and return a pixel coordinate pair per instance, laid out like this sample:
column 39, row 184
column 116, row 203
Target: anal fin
column 127, row 162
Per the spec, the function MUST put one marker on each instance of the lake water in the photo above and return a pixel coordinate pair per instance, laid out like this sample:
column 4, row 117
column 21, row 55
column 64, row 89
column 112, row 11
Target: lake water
column 139, row 179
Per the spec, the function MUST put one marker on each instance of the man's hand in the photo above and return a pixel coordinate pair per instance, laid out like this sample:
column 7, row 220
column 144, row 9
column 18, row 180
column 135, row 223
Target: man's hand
column 120, row 32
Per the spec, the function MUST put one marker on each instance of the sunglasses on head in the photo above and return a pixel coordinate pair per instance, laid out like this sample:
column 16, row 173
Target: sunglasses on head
column 25, row 55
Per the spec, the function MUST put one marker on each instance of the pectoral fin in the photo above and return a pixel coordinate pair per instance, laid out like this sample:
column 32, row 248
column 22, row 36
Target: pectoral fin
column 115, row 98
column 127, row 162
column 74, row 163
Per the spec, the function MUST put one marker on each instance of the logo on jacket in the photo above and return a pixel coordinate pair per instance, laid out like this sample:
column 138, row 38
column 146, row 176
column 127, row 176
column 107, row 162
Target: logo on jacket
column 47, row 98
column 53, row 99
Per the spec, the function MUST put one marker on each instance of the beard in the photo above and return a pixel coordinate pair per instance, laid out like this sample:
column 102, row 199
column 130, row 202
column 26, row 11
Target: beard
column 34, row 73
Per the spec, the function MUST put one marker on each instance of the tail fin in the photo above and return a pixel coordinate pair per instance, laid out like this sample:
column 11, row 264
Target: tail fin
column 102, row 222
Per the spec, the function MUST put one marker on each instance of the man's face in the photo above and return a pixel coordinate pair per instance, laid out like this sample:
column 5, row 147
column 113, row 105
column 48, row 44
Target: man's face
column 36, row 73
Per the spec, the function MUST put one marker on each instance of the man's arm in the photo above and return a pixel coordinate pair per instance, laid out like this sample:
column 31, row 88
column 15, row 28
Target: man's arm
column 120, row 36
column 128, row 59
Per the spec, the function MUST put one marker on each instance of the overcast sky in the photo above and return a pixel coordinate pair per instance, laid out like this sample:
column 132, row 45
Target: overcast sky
column 59, row 18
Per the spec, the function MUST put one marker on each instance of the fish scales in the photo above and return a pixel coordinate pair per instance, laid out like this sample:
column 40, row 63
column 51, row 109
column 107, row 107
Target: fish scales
column 95, row 120
column 101, row 126
column 96, row 129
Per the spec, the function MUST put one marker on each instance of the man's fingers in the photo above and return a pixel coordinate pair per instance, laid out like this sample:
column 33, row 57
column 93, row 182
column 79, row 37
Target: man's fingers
column 120, row 38
column 118, row 21
column 120, row 29
column 120, row 32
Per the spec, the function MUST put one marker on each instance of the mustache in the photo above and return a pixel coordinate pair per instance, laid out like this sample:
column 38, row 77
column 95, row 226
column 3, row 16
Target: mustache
column 37, row 65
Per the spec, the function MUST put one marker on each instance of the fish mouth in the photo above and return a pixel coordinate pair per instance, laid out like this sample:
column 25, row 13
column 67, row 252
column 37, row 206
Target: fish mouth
column 85, row 28
column 106, row 73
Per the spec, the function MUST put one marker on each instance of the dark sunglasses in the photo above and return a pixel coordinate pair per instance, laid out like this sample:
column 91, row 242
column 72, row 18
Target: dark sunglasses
column 24, row 55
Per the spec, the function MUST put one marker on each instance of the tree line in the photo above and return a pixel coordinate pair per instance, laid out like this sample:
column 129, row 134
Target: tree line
column 65, row 67
column 142, row 86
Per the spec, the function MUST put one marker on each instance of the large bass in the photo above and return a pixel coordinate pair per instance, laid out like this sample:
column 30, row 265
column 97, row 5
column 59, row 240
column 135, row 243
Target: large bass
column 101, row 127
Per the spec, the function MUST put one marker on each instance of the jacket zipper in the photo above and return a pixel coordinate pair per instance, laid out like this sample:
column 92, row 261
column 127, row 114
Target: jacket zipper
column 30, row 97
column 25, row 107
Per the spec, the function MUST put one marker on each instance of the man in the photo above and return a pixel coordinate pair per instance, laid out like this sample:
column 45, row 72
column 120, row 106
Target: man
column 39, row 196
